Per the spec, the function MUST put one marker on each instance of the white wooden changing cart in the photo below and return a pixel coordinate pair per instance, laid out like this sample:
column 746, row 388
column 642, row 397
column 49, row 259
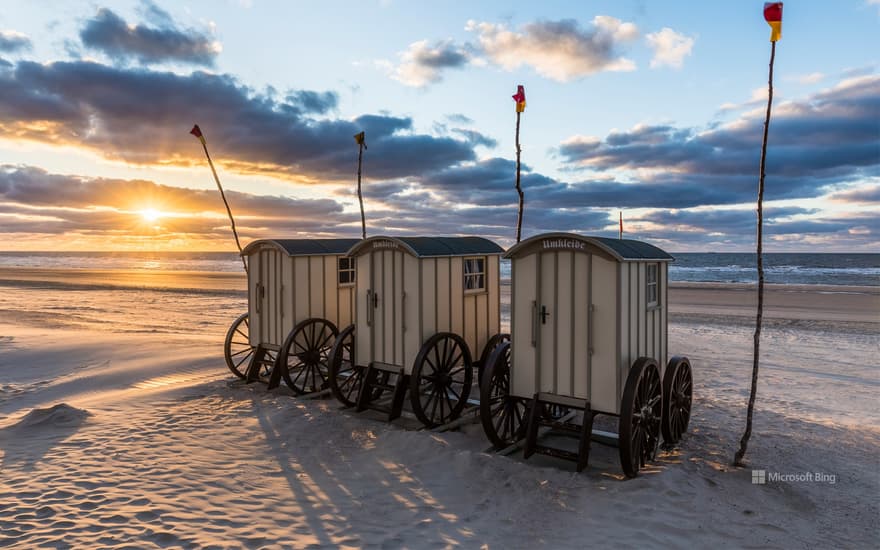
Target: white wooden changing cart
column 423, row 305
column 588, row 334
column 299, row 292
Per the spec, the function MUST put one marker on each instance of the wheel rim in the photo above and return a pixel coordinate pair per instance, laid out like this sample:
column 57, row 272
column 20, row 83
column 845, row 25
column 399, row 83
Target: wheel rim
column 488, row 350
column 305, row 355
column 237, row 349
column 501, row 414
column 344, row 377
column 641, row 410
column 441, row 380
column 678, row 396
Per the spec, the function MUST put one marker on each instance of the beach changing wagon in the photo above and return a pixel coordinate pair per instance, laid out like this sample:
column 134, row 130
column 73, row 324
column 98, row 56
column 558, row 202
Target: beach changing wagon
column 423, row 305
column 299, row 292
column 588, row 337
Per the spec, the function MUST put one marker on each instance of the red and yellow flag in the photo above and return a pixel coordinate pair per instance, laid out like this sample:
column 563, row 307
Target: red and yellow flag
column 196, row 131
column 520, row 98
column 773, row 15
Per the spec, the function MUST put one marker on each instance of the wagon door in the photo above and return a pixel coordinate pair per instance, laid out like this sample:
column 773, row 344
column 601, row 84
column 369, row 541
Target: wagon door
column 264, row 286
column 561, row 316
column 380, row 311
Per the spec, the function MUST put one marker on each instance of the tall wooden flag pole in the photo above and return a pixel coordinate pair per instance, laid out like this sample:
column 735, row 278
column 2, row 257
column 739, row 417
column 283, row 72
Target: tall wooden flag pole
column 520, row 98
column 773, row 15
column 196, row 131
column 362, row 144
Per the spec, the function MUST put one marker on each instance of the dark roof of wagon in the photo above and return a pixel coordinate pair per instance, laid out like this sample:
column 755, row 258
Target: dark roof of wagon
column 304, row 247
column 622, row 250
column 428, row 247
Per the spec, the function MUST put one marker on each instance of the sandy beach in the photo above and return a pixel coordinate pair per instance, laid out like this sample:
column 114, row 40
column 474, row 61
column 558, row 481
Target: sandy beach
column 120, row 427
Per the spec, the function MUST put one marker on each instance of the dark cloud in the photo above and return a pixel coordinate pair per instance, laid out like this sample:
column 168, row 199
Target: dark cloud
column 831, row 137
column 314, row 102
column 14, row 42
column 144, row 116
column 476, row 138
column 109, row 33
column 859, row 195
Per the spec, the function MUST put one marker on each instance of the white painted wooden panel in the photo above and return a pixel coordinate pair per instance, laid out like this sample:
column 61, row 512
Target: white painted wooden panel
column 581, row 326
column 523, row 364
column 604, row 385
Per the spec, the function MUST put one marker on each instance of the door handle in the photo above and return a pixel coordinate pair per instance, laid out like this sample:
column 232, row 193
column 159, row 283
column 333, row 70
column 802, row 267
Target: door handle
column 534, row 324
column 544, row 315
column 369, row 307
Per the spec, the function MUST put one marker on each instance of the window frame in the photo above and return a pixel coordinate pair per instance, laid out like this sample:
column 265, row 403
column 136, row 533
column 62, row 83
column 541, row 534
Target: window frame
column 478, row 276
column 350, row 270
column 655, row 284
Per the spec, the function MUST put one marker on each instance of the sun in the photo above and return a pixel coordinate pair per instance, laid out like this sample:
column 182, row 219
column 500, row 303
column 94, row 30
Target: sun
column 150, row 214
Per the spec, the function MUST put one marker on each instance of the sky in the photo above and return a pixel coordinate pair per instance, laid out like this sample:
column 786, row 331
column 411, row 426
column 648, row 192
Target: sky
column 650, row 109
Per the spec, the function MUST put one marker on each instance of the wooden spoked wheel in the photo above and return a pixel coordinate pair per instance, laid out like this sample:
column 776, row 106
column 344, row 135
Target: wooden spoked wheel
column 441, row 379
column 501, row 414
column 678, row 393
column 490, row 346
column 641, row 409
column 237, row 348
column 304, row 356
column 344, row 377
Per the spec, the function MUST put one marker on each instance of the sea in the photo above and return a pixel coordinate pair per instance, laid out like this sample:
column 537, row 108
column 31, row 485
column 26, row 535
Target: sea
column 782, row 268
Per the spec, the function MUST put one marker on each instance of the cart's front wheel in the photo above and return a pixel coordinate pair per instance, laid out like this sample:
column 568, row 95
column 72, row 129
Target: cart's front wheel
column 304, row 355
column 641, row 408
column 678, row 392
column 441, row 379
column 237, row 349
column 501, row 414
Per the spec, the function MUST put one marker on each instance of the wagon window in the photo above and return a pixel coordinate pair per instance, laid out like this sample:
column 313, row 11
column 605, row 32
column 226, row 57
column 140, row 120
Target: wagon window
column 652, row 284
column 346, row 271
column 474, row 274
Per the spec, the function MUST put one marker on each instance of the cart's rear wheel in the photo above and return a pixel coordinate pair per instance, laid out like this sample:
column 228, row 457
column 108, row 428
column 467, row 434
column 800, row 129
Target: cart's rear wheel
column 501, row 414
column 304, row 355
column 490, row 347
column 441, row 379
column 344, row 377
column 678, row 392
column 641, row 408
column 237, row 348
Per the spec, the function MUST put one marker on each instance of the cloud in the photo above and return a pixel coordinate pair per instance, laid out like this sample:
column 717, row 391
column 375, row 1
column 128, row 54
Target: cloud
column 758, row 97
column 829, row 138
column 143, row 116
column 670, row 47
column 13, row 42
column 35, row 201
column 561, row 50
column 476, row 138
column 422, row 64
column 811, row 78
column 110, row 34
column 864, row 195
column 314, row 102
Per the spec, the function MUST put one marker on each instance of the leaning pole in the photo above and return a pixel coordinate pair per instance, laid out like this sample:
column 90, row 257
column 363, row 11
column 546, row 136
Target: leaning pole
column 196, row 131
